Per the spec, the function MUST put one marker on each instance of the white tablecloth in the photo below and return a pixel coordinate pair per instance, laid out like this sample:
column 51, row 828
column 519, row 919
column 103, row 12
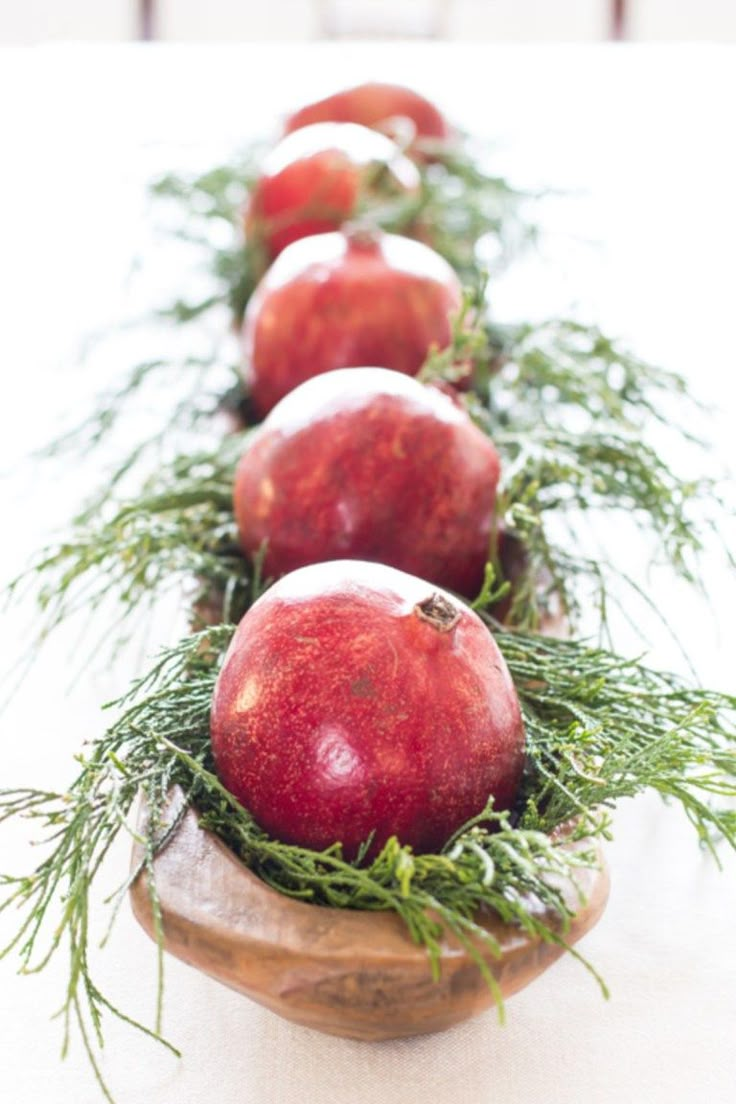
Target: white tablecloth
column 645, row 246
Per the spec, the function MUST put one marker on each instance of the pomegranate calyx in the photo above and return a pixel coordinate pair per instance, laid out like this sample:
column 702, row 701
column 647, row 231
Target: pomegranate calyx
column 362, row 234
column 438, row 612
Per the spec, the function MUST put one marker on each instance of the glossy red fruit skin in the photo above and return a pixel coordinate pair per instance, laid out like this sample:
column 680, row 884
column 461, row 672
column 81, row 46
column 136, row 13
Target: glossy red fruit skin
column 340, row 710
column 343, row 300
column 375, row 105
column 315, row 178
column 369, row 464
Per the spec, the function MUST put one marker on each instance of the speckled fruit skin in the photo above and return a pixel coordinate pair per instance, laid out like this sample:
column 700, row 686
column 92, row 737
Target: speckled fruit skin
column 374, row 105
column 313, row 180
column 369, row 464
column 341, row 709
column 342, row 300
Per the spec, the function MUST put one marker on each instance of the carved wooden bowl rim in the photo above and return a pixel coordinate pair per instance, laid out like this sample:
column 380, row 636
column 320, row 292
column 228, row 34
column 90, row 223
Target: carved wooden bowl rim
column 347, row 972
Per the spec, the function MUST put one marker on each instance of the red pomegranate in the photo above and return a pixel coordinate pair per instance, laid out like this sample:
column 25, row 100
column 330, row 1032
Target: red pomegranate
column 345, row 299
column 319, row 177
column 355, row 699
column 369, row 464
column 376, row 105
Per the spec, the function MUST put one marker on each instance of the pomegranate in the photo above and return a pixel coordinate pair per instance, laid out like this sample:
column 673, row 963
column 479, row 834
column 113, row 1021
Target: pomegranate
column 319, row 177
column 346, row 299
column 356, row 699
column 376, row 105
column 369, row 464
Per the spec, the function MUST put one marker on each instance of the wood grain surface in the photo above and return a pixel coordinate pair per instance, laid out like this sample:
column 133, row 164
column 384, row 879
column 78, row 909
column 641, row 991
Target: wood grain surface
column 349, row 973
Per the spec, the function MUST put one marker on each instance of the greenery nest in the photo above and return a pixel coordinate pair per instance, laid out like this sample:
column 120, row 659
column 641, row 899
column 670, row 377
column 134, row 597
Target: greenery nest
column 569, row 410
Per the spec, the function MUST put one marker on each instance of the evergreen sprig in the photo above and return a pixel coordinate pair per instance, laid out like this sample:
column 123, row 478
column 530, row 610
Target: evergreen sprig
column 575, row 475
column 178, row 534
column 207, row 210
column 562, row 373
column 602, row 728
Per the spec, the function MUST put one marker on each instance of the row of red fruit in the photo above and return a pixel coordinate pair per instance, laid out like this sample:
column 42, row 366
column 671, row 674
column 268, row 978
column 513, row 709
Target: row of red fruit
column 357, row 699
column 336, row 154
column 366, row 466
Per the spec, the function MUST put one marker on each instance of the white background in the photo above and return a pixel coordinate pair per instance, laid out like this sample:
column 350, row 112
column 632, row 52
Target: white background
column 299, row 20
column 645, row 246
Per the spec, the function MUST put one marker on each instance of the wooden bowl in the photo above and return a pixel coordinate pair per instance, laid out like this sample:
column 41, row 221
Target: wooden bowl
column 349, row 973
